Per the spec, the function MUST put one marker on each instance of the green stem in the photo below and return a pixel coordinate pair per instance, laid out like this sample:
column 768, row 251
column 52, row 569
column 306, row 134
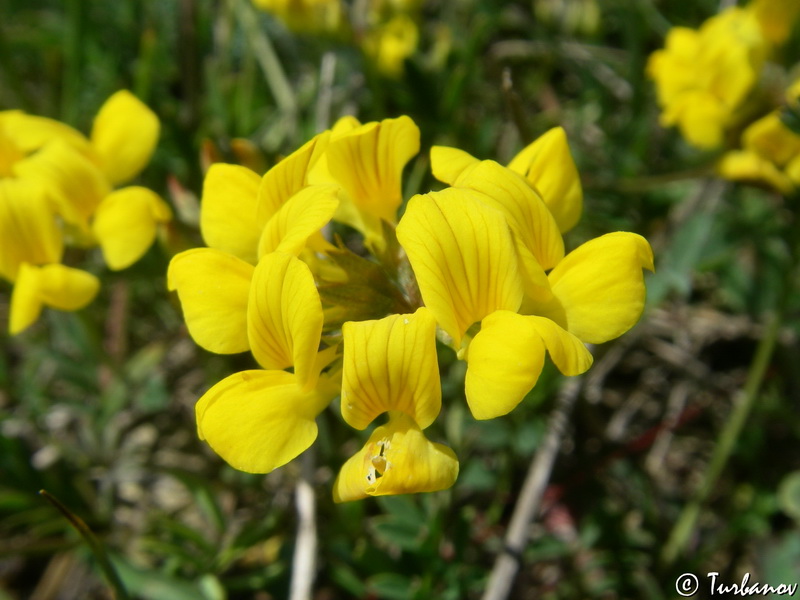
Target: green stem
column 679, row 537
column 94, row 544
column 72, row 61
column 266, row 57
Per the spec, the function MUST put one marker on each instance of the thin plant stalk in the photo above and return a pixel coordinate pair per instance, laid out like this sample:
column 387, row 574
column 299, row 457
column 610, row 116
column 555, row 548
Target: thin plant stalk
column 95, row 545
column 530, row 499
column 305, row 549
column 682, row 530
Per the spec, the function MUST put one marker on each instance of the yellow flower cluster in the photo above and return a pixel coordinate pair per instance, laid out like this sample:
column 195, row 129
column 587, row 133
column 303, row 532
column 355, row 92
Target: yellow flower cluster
column 57, row 188
column 480, row 265
column 386, row 30
column 704, row 75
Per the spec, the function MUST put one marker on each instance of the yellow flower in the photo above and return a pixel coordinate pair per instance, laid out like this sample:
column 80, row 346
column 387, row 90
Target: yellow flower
column 770, row 154
column 367, row 161
column 546, row 163
column 390, row 366
column 243, row 218
column 309, row 16
column 463, row 253
column 261, row 419
column 776, row 17
column 80, row 173
column 703, row 76
column 31, row 245
column 390, row 43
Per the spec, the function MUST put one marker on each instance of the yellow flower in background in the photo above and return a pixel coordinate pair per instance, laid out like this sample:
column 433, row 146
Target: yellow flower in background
column 389, row 44
column 31, row 246
column 703, row 76
column 770, row 154
column 390, row 366
column 776, row 17
column 74, row 200
column 307, row 16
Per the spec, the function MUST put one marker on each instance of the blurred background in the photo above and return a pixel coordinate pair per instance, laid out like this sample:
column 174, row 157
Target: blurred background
column 97, row 407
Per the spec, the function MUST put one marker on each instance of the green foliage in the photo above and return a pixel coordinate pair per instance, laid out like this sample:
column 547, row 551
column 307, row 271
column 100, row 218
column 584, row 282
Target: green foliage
column 103, row 416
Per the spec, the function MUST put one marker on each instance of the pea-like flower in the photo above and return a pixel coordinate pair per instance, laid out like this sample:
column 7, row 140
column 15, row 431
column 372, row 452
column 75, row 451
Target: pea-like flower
column 704, row 75
column 76, row 177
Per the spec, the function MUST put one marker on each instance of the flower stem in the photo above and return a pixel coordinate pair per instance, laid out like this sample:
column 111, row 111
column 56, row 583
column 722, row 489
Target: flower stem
column 305, row 549
column 94, row 544
column 530, row 497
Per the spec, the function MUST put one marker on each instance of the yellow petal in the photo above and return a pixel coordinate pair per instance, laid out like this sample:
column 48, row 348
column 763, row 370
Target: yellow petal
column 303, row 215
column 448, row 163
column 258, row 421
column 527, row 215
column 600, row 285
column 31, row 132
column 53, row 285
column 125, row 224
column 745, row 165
column 463, row 256
column 547, row 163
column 506, row 356
column 28, row 228
column 228, row 210
column 391, row 365
column 124, row 136
column 368, row 162
column 284, row 316
column 77, row 184
column 397, row 459
column 213, row 288
column 284, row 180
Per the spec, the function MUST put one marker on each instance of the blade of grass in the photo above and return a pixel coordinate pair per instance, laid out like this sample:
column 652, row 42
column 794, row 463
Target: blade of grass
column 95, row 545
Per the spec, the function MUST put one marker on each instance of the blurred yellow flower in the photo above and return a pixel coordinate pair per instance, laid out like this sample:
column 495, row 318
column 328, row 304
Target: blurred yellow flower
column 308, row 16
column 390, row 43
column 73, row 200
column 776, row 17
column 703, row 76
column 770, row 154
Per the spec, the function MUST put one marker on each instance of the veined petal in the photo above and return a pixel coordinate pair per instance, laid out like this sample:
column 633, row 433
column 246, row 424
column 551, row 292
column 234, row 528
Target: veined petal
column 125, row 224
column 463, row 256
column 600, row 285
column 397, row 459
column 547, row 163
column 213, row 288
column 303, row 215
column 77, row 184
column 448, row 163
column 28, row 228
column 52, row 285
column 391, row 365
column 368, row 162
column 284, row 316
column 258, row 421
column 527, row 215
column 124, row 136
column 228, row 210
column 506, row 356
column 284, row 180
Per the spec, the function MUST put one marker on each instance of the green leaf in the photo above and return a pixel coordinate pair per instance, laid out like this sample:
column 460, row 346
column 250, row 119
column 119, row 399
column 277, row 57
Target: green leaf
column 391, row 586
